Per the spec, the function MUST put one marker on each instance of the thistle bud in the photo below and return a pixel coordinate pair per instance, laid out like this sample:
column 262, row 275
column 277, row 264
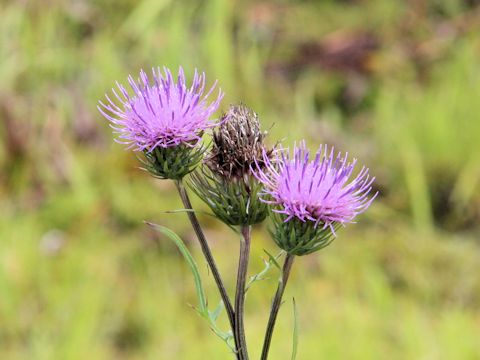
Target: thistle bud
column 226, row 182
column 299, row 237
column 172, row 162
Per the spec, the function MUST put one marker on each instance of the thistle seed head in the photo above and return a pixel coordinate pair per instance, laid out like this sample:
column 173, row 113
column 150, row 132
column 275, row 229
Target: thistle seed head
column 237, row 144
column 226, row 182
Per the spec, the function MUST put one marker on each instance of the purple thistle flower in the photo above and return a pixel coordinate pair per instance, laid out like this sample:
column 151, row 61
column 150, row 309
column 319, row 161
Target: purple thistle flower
column 162, row 114
column 315, row 190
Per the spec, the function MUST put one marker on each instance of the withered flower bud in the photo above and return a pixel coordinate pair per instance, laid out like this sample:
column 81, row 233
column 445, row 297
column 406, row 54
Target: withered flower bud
column 237, row 144
column 226, row 182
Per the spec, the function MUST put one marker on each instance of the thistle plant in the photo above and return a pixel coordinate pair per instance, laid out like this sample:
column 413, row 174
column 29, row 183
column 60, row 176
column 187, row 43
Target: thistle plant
column 310, row 199
column 307, row 199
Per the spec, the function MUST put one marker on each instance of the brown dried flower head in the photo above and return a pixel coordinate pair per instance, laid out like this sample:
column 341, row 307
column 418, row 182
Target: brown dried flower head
column 237, row 144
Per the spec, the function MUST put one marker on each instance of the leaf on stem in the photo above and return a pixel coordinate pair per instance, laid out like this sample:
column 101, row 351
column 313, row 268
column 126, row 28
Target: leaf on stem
column 202, row 309
column 202, row 300
column 272, row 260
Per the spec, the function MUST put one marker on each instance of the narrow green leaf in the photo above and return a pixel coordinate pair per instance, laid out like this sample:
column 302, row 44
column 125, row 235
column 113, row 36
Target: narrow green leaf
column 203, row 311
column 262, row 274
column 215, row 313
column 273, row 259
column 190, row 261
column 177, row 211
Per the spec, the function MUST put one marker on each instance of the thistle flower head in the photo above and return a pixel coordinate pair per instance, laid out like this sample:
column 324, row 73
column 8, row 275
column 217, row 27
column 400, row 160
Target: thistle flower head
column 237, row 144
column 226, row 182
column 161, row 112
column 315, row 195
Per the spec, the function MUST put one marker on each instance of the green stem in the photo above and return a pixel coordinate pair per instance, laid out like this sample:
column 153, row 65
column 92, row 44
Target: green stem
column 209, row 257
column 240, row 292
column 277, row 301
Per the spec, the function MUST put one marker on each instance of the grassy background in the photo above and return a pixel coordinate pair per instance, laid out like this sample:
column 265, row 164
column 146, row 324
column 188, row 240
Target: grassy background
column 394, row 82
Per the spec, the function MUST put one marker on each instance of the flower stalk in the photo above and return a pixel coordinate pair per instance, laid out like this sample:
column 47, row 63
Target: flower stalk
column 240, row 292
column 276, row 303
column 208, row 256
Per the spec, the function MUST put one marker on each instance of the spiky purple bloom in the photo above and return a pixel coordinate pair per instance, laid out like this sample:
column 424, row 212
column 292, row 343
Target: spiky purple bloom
column 319, row 190
column 162, row 113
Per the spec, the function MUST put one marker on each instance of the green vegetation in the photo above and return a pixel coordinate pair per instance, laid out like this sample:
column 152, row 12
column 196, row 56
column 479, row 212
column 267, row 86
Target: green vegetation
column 82, row 276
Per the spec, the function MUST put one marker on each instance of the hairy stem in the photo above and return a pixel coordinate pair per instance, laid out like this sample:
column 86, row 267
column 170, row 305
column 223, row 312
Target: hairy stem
column 240, row 292
column 209, row 257
column 277, row 301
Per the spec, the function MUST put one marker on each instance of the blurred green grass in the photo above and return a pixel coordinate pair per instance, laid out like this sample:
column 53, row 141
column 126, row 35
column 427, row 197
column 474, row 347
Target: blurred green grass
column 394, row 83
